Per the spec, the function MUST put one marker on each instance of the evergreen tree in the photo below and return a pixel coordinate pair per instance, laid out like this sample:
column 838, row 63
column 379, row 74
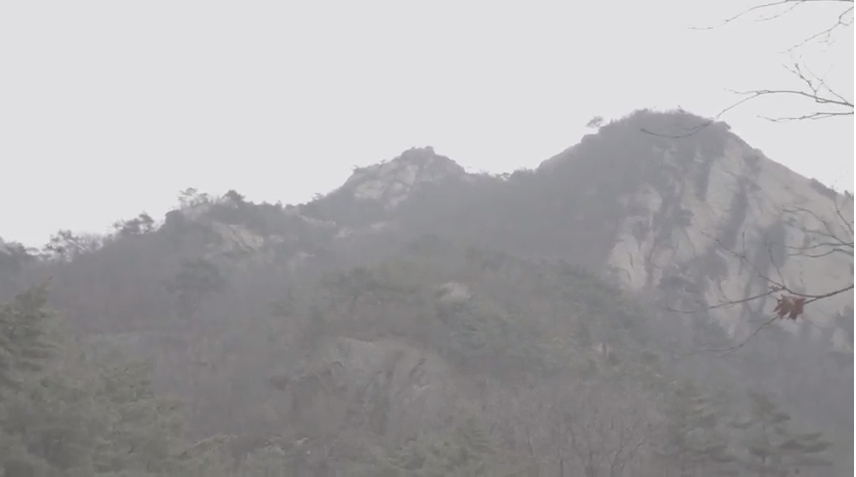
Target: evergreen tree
column 61, row 415
column 142, row 431
column 24, row 350
column 693, row 439
column 24, row 344
column 773, row 449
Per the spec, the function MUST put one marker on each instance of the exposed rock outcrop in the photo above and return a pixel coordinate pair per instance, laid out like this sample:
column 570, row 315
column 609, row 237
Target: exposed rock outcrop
column 725, row 224
column 392, row 182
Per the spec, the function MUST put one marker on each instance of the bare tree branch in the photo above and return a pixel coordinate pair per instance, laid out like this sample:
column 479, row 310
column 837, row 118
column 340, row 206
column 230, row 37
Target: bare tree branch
column 821, row 240
column 604, row 433
column 825, row 239
column 817, row 91
column 790, row 4
column 827, row 33
column 742, row 343
column 724, row 304
column 779, row 286
column 831, row 103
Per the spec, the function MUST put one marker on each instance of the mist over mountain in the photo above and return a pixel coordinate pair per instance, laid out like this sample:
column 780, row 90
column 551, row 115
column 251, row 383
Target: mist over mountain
column 588, row 317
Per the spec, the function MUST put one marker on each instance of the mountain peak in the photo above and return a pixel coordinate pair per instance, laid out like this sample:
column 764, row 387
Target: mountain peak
column 393, row 181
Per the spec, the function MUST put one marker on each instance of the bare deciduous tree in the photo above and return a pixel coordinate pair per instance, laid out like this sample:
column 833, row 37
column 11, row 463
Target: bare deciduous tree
column 603, row 430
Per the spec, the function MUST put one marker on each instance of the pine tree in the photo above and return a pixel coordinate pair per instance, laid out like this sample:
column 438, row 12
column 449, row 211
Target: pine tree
column 60, row 414
column 772, row 448
column 24, row 350
column 143, row 431
column 24, row 344
column 693, row 438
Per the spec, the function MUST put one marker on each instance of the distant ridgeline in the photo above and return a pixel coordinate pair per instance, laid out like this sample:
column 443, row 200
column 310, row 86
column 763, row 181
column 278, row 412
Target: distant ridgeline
column 603, row 314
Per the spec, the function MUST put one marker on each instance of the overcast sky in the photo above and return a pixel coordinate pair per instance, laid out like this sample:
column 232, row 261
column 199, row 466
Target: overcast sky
column 110, row 108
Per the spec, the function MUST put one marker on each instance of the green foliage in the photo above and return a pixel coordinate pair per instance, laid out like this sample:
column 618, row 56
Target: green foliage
column 484, row 334
column 464, row 453
column 694, row 440
column 191, row 197
column 477, row 329
column 141, row 224
column 234, row 209
column 24, row 350
column 66, row 245
column 772, row 448
column 195, row 279
column 539, row 321
column 380, row 284
column 595, row 122
column 13, row 257
column 61, row 414
column 234, row 197
column 143, row 430
column 24, row 342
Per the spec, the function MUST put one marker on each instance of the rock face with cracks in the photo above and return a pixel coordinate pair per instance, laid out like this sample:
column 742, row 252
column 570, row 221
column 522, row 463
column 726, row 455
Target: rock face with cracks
column 722, row 224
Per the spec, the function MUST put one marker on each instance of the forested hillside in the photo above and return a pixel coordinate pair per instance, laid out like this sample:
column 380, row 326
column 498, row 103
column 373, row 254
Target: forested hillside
column 426, row 321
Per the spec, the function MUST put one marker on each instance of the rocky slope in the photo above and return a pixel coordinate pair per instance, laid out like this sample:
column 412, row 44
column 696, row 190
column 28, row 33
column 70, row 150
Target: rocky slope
column 701, row 220
column 417, row 293
column 728, row 223
column 698, row 221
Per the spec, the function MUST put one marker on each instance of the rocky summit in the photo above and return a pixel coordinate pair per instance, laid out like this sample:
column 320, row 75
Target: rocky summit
column 704, row 215
column 602, row 314
column 392, row 182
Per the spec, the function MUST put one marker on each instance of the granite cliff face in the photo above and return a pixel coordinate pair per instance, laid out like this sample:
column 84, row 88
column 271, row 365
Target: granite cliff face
column 739, row 223
column 702, row 217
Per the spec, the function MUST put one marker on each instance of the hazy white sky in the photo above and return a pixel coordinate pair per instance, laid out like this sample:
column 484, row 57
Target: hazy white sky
column 110, row 108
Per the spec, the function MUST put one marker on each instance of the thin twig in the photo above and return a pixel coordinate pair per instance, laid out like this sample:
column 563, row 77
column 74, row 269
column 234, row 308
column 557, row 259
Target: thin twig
column 818, row 91
column 739, row 345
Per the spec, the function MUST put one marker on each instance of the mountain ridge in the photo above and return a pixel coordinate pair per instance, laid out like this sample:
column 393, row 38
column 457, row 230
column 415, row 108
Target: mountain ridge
column 417, row 293
column 708, row 194
column 670, row 212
